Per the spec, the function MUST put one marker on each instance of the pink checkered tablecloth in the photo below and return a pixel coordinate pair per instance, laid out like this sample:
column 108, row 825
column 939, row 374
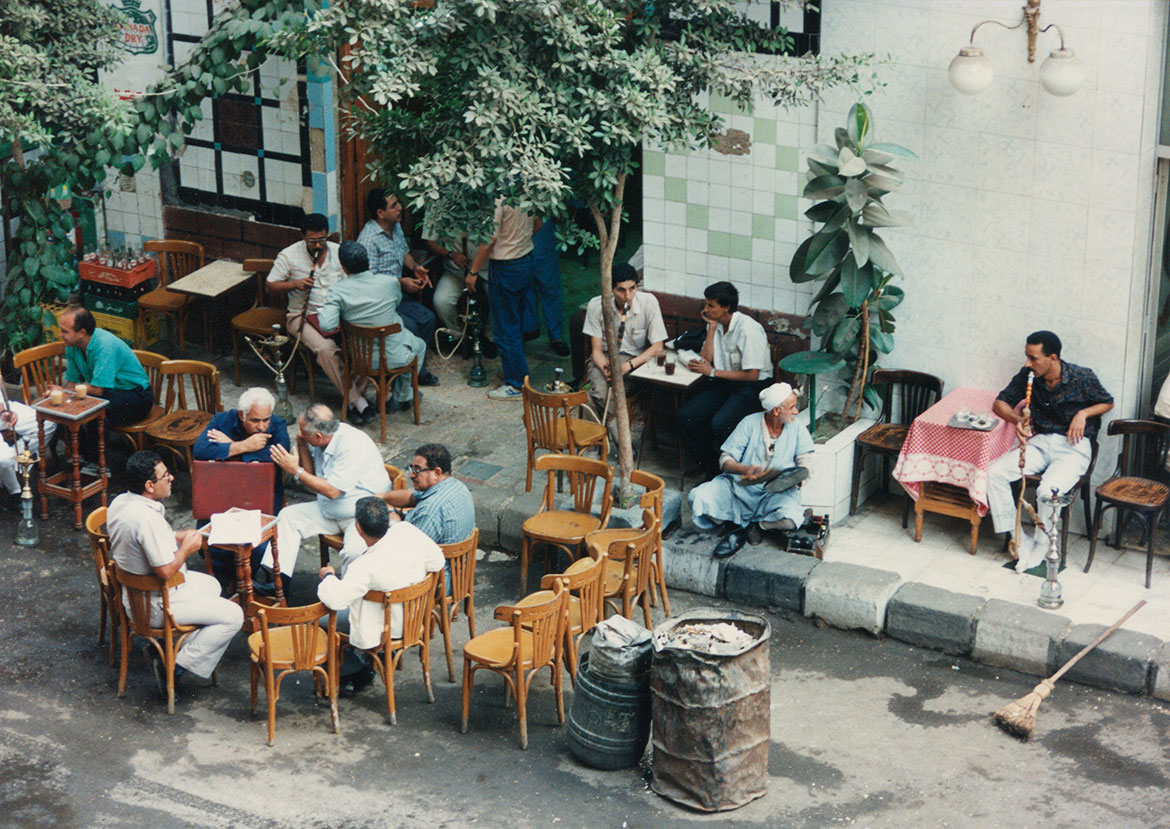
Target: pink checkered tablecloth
column 934, row 451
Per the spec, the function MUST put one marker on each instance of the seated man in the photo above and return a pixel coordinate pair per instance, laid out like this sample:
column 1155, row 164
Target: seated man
column 757, row 488
column 371, row 299
column 454, row 285
column 1067, row 404
column 642, row 336
column 306, row 271
column 22, row 421
column 392, row 557
column 389, row 253
column 244, row 434
column 142, row 542
column 736, row 357
column 442, row 506
column 108, row 366
column 339, row 463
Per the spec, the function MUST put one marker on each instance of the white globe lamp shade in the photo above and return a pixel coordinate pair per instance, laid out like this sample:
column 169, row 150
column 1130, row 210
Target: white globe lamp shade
column 971, row 72
column 1063, row 73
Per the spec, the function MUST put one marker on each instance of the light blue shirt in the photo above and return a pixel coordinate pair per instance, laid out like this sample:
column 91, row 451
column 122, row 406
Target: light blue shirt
column 352, row 463
column 387, row 251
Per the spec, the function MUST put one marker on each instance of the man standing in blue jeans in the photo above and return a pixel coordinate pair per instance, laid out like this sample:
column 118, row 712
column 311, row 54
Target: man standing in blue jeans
column 510, row 252
column 546, row 287
column 736, row 357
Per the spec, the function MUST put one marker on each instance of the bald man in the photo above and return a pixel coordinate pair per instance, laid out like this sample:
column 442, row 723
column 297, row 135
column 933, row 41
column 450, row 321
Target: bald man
column 761, row 463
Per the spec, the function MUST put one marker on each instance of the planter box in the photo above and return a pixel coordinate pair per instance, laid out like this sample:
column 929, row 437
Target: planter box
column 831, row 473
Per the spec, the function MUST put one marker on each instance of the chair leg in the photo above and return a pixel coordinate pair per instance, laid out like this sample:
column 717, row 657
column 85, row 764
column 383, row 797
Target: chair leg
column 646, row 609
column 383, row 396
column 559, row 688
column 571, row 652
column 1151, row 525
column 388, row 678
column 424, row 658
column 468, row 679
column 270, row 692
column 445, row 627
column 524, row 550
column 169, row 653
column 469, row 609
column 858, row 460
column 115, row 632
column 414, row 389
column 125, row 630
column 531, row 461
column 102, row 613
column 1097, row 514
column 522, row 708
column 1064, row 534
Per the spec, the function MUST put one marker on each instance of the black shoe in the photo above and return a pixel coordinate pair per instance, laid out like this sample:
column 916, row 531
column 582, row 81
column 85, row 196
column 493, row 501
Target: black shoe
column 729, row 545
column 531, row 335
column 560, row 348
column 754, row 534
column 358, row 418
column 786, row 479
column 355, row 683
column 397, row 406
column 427, row 378
column 489, row 350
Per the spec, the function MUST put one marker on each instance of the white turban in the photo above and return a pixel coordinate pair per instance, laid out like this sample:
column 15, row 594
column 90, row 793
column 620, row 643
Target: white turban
column 775, row 395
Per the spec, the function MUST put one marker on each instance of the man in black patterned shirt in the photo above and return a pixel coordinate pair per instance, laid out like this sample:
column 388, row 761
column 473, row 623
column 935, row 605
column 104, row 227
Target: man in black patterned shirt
column 1067, row 403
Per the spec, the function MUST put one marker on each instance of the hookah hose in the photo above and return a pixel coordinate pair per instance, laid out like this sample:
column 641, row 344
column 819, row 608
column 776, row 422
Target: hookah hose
column 1026, row 416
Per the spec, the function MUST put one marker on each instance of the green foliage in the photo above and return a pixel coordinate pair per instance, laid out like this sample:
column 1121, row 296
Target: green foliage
column 852, row 312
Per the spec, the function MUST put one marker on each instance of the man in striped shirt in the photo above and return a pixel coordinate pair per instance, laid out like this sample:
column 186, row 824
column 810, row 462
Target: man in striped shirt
column 441, row 504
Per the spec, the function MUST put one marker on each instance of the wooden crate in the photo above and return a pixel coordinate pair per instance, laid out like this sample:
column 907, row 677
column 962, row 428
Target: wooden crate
column 94, row 272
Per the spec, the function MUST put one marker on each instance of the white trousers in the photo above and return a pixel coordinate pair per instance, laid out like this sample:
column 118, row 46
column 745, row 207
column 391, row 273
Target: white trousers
column 26, row 432
column 296, row 522
column 1062, row 466
column 197, row 602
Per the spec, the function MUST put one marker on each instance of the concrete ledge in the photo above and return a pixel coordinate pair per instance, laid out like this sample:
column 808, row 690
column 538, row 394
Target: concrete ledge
column 1160, row 679
column 849, row 595
column 1121, row 663
column 768, row 577
column 687, row 564
column 933, row 618
column 1017, row 636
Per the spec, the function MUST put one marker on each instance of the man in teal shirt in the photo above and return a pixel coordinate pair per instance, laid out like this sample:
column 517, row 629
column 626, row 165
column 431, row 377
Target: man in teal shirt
column 371, row 299
column 101, row 360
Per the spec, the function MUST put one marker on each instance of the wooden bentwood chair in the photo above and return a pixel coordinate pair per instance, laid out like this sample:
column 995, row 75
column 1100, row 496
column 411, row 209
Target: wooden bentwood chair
column 1138, row 486
column 566, row 528
column 916, row 392
column 461, row 565
column 628, row 570
column 291, row 639
column 166, row 639
column 260, row 319
column 186, row 418
column 549, row 424
column 152, row 364
column 534, row 639
column 417, row 602
column 584, row 579
column 176, row 259
column 365, row 356
column 99, row 545
column 40, row 367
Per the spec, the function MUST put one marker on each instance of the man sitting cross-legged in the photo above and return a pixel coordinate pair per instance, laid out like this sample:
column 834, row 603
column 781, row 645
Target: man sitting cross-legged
column 762, row 462
column 393, row 557
column 339, row 463
column 142, row 542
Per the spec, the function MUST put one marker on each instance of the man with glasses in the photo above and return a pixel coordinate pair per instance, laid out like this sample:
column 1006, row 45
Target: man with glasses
column 142, row 542
column 441, row 504
column 306, row 271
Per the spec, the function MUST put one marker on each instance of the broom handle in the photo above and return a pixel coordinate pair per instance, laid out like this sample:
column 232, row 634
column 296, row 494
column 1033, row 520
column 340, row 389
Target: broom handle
column 1097, row 641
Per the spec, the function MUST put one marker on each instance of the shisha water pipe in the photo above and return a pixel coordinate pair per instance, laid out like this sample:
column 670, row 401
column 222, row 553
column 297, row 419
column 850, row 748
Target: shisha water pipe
column 270, row 356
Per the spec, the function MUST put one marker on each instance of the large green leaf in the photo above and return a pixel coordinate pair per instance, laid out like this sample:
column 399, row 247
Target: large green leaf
column 858, row 242
column 824, row 186
column 829, row 312
column 858, row 122
column 822, row 169
column 891, row 298
column 893, row 149
column 830, row 284
column 846, row 334
column 880, row 340
column 822, row 211
column 873, row 397
column 826, row 252
column 855, row 194
column 856, row 283
column 881, row 255
column 811, row 362
column 841, row 136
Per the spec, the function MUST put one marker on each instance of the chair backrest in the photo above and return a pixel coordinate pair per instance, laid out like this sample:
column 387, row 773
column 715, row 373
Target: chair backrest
column 584, row 474
column 176, row 258
column 655, row 492
column 397, row 477
column 99, row 543
column 417, row 600
column 461, row 562
column 40, row 366
column 138, row 590
column 916, row 391
column 217, row 486
column 260, row 268
column 545, row 621
column 204, row 381
column 151, row 363
column 365, row 347
column 303, row 626
column 1143, row 448
column 546, row 418
column 585, row 579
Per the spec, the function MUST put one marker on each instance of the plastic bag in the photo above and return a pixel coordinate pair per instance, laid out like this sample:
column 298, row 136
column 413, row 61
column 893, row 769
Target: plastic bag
column 621, row 649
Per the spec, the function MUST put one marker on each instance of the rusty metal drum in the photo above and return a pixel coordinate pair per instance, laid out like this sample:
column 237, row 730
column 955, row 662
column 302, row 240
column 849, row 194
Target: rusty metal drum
column 710, row 706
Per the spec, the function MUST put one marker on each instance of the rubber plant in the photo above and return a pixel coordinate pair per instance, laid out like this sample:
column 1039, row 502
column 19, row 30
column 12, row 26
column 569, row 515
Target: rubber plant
column 852, row 312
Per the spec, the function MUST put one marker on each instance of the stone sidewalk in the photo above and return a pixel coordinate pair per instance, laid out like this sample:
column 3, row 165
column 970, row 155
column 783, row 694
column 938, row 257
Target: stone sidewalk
column 875, row 577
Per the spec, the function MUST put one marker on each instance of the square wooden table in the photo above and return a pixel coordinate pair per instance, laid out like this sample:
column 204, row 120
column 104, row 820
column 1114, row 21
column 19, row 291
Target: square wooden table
column 71, row 484
column 655, row 378
column 243, row 554
column 211, row 282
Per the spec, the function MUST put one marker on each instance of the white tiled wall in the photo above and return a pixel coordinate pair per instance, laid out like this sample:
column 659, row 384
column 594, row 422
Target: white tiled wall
column 1030, row 211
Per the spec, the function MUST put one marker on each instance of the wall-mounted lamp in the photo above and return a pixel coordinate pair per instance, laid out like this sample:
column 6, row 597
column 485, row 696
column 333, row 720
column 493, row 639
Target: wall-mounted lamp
column 1061, row 74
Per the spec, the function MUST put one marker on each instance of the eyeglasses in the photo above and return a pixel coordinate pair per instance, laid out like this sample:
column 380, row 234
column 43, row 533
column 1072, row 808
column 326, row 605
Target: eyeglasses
column 414, row 469
column 166, row 476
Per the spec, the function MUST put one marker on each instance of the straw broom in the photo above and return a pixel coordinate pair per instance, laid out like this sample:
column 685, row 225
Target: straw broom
column 1019, row 718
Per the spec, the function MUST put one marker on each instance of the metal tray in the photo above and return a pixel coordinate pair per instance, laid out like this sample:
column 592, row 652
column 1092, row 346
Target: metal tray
column 956, row 423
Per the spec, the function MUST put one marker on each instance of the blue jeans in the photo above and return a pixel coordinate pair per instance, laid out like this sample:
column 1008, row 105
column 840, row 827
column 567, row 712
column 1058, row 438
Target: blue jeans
column 508, row 289
column 418, row 319
column 546, row 276
column 708, row 419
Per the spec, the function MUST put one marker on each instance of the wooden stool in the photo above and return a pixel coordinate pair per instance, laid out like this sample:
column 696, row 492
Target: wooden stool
column 946, row 499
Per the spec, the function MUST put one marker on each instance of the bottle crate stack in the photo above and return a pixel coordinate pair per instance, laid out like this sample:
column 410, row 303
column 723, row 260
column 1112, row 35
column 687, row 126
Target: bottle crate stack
column 111, row 287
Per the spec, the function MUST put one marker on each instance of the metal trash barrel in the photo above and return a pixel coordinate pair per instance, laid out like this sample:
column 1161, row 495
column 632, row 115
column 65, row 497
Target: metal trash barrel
column 609, row 721
column 710, row 706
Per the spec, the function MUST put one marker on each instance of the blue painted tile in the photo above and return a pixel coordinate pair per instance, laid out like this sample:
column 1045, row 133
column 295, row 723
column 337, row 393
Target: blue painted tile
column 320, row 194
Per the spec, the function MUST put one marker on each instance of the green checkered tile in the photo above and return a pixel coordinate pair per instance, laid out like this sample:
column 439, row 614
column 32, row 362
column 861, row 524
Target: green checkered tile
column 763, row 227
column 697, row 216
column 676, row 189
column 653, row 163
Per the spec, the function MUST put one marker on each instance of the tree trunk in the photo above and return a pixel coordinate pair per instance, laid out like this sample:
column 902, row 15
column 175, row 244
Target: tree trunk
column 856, row 398
column 608, row 232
